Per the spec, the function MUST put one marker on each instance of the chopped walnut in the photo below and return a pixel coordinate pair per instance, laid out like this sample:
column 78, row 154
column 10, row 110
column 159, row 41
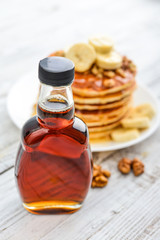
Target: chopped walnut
column 109, row 74
column 125, row 62
column 120, row 72
column 96, row 167
column 106, row 173
column 124, row 165
column 128, row 64
column 96, row 173
column 86, row 72
column 59, row 53
column 100, row 70
column 99, row 75
column 101, row 179
column 137, row 166
column 100, row 176
column 132, row 67
column 94, row 70
column 98, row 184
column 109, row 83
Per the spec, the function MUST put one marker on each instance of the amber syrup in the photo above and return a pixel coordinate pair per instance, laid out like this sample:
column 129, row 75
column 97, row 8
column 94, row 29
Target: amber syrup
column 53, row 165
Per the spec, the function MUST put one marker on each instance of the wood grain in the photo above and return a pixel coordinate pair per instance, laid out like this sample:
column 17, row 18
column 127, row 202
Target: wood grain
column 129, row 207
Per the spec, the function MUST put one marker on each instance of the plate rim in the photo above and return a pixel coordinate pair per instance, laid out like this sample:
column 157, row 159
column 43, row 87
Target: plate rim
column 97, row 147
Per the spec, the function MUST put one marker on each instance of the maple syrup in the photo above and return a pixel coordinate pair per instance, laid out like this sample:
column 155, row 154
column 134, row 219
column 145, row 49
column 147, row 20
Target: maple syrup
column 53, row 166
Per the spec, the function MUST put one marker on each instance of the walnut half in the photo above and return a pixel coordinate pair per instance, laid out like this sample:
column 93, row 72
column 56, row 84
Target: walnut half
column 124, row 165
column 100, row 176
column 137, row 166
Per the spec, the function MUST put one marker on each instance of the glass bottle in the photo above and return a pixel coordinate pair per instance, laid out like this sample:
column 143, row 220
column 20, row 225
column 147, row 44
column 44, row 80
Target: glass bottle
column 54, row 163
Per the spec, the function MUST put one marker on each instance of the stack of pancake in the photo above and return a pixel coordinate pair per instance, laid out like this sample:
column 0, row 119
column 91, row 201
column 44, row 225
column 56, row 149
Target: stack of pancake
column 103, row 101
column 103, row 85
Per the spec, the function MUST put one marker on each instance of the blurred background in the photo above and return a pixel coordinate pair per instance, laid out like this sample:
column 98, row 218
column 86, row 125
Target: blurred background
column 30, row 30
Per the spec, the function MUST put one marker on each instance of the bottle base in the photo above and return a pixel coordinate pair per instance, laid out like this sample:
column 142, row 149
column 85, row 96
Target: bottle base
column 52, row 207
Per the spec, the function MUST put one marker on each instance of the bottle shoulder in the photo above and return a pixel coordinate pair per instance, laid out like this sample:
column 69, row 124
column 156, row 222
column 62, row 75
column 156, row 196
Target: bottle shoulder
column 33, row 132
column 78, row 131
column 33, row 125
column 30, row 126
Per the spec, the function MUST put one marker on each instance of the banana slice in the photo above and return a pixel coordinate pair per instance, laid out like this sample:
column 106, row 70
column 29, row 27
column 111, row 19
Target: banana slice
column 83, row 55
column 145, row 110
column 102, row 44
column 122, row 135
column 109, row 61
column 136, row 122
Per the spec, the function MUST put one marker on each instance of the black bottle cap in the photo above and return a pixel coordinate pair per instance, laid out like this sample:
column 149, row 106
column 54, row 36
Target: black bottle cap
column 56, row 71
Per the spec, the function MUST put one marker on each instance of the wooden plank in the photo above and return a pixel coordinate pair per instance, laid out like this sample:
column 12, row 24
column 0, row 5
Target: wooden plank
column 128, row 208
column 137, row 222
column 15, row 221
column 100, row 208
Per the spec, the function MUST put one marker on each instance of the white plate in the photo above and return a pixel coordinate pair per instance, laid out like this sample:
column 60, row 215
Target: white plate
column 24, row 93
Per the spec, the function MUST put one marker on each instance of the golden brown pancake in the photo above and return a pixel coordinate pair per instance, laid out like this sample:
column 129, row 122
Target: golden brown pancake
column 88, row 84
column 104, row 113
column 105, row 122
column 100, row 134
column 92, row 86
column 111, row 105
column 100, row 140
column 106, row 127
column 105, row 99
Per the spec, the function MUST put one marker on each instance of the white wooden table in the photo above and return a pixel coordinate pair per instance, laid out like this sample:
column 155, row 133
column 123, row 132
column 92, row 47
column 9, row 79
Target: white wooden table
column 129, row 207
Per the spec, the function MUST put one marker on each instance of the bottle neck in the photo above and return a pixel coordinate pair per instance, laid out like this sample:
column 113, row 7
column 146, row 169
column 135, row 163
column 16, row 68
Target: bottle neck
column 55, row 106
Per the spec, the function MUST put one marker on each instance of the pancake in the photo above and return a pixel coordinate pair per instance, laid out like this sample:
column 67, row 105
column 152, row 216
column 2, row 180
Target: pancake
column 83, row 88
column 88, row 84
column 105, row 99
column 102, row 134
column 99, row 114
column 101, row 122
column 111, row 105
column 100, row 140
column 106, row 127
